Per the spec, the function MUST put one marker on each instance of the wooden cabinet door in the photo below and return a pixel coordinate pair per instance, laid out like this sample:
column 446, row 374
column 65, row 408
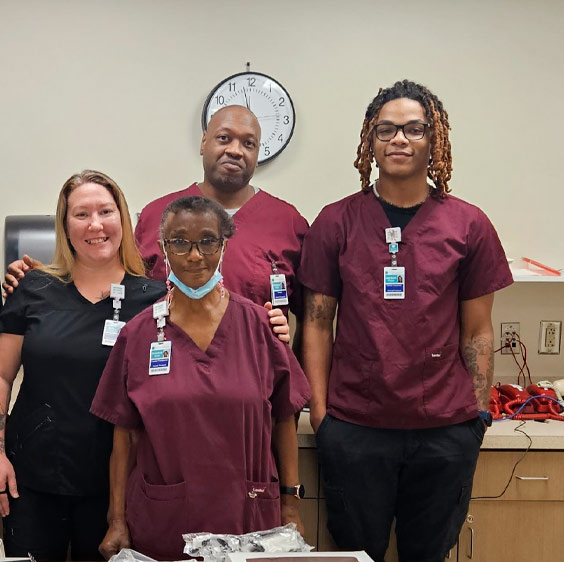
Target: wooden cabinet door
column 518, row 531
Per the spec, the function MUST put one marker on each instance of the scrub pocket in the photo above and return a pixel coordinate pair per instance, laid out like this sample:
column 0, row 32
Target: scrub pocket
column 477, row 428
column 441, row 393
column 262, row 506
column 156, row 515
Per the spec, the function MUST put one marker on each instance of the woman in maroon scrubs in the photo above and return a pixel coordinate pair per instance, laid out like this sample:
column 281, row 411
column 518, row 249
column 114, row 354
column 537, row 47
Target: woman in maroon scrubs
column 212, row 438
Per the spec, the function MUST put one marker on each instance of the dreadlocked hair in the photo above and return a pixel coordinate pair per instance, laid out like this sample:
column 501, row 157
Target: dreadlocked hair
column 439, row 170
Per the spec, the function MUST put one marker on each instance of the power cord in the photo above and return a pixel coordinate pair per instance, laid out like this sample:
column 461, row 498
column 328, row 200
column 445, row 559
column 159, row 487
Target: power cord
column 518, row 430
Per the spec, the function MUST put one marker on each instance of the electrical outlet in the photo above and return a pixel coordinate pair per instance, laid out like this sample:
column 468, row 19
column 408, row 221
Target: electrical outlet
column 549, row 336
column 510, row 338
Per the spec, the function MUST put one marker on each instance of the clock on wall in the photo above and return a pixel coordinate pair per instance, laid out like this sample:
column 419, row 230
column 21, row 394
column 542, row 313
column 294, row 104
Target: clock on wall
column 266, row 98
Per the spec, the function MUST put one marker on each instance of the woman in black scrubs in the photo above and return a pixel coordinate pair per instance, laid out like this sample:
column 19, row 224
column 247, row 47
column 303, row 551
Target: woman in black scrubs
column 60, row 325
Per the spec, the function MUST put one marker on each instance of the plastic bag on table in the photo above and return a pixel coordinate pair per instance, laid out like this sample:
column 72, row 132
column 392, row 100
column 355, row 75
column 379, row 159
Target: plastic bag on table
column 129, row 555
column 214, row 548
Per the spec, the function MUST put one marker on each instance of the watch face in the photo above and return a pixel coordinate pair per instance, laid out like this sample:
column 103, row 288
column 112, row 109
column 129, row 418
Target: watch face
column 266, row 98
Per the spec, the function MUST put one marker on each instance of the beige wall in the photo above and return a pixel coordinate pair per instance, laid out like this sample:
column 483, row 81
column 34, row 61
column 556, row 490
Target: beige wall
column 118, row 85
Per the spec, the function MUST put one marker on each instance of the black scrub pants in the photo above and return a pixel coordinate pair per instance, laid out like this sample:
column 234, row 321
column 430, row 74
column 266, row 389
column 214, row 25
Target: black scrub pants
column 47, row 524
column 421, row 477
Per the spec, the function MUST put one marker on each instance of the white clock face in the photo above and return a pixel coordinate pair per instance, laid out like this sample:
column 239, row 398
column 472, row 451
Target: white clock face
column 267, row 99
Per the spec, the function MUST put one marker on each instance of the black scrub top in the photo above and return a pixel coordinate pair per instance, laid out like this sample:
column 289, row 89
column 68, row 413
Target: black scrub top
column 54, row 443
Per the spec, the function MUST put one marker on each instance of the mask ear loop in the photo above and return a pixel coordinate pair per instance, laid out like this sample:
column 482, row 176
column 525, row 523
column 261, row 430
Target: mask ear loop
column 169, row 293
column 220, row 286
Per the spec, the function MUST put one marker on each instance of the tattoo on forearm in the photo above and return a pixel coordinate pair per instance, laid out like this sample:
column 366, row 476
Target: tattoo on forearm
column 2, row 448
column 319, row 307
column 479, row 357
column 2, row 421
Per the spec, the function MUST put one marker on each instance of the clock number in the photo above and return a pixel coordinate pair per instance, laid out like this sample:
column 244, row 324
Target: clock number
column 251, row 80
column 281, row 102
column 231, row 86
column 266, row 151
column 280, row 138
column 286, row 120
column 220, row 100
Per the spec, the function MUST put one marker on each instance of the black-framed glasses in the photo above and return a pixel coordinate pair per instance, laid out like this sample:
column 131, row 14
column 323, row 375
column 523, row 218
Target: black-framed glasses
column 411, row 131
column 181, row 247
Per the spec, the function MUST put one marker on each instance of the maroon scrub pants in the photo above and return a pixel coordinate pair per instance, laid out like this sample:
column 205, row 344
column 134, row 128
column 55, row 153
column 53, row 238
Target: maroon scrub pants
column 421, row 477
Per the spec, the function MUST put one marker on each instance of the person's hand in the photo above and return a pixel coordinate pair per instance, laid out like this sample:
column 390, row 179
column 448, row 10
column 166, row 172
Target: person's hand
column 278, row 322
column 316, row 415
column 117, row 537
column 16, row 271
column 290, row 511
column 7, row 484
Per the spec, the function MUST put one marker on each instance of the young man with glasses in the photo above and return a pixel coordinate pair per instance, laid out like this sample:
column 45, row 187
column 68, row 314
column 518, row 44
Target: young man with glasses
column 400, row 395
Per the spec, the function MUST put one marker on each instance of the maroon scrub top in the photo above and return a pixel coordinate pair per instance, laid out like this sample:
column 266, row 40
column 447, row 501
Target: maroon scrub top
column 204, row 458
column 397, row 363
column 267, row 230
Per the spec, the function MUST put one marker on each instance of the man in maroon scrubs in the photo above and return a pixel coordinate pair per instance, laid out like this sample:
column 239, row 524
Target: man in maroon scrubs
column 400, row 395
column 269, row 232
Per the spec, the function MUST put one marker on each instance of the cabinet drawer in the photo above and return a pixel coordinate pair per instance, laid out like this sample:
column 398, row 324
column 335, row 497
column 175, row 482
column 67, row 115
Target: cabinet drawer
column 537, row 477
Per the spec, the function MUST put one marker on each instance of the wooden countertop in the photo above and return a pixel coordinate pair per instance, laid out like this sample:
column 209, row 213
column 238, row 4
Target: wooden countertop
column 502, row 435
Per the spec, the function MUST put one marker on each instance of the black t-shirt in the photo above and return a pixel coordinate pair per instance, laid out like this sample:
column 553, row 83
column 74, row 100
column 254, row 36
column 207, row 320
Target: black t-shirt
column 53, row 441
column 399, row 216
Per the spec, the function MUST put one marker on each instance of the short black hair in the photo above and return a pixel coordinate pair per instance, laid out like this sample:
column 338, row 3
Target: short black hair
column 197, row 204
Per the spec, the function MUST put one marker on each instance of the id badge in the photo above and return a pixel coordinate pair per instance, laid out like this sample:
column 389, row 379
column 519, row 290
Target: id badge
column 159, row 358
column 278, row 289
column 112, row 328
column 394, row 282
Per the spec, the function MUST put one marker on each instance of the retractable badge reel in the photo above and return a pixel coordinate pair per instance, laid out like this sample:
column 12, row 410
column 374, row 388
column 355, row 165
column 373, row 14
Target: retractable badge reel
column 161, row 350
column 278, row 287
column 394, row 276
column 113, row 327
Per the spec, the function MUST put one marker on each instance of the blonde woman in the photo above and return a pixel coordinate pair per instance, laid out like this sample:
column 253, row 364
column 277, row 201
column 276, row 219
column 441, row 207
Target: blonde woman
column 60, row 325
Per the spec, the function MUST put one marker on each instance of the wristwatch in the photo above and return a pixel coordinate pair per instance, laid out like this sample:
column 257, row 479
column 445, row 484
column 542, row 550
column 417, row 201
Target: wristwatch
column 298, row 491
column 486, row 416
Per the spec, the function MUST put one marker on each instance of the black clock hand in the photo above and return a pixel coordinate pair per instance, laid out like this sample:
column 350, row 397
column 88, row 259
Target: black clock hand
column 246, row 100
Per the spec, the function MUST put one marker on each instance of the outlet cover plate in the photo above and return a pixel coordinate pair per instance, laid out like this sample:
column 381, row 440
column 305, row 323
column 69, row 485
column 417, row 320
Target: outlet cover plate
column 549, row 337
column 510, row 332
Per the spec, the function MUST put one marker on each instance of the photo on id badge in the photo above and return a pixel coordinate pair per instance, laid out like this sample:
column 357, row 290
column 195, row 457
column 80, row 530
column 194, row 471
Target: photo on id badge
column 394, row 282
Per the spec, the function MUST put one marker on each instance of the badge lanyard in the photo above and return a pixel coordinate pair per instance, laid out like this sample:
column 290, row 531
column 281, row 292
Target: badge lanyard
column 113, row 327
column 161, row 350
column 278, row 287
column 394, row 276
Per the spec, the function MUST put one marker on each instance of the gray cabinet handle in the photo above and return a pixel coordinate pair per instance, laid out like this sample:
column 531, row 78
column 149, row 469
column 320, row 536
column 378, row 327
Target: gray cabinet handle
column 545, row 478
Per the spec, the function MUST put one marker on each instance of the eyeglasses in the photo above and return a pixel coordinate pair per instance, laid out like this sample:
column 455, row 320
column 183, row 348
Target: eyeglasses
column 411, row 131
column 181, row 247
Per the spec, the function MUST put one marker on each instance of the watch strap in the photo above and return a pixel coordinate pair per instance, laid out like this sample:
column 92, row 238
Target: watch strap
column 298, row 491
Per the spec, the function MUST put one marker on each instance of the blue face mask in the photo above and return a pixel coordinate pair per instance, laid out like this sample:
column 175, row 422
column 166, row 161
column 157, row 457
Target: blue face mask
column 202, row 291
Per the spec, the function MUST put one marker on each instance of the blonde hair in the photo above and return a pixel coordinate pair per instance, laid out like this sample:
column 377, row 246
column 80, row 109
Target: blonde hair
column 64, row 258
